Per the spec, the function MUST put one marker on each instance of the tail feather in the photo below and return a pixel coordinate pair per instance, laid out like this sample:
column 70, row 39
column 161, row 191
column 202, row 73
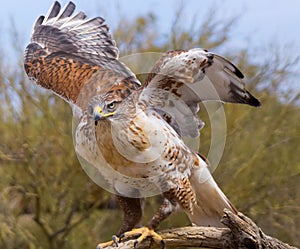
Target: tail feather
column 210, row 199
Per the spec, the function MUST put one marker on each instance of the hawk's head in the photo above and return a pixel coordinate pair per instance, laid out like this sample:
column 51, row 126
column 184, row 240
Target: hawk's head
column 104, row 107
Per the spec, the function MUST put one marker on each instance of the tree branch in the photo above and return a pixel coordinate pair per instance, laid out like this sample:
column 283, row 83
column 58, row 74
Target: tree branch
column 241, row 233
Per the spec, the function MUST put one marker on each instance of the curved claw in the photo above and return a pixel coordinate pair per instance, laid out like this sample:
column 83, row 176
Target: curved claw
column 121, row 237
column 115, row 240
column 112, row 242
column 162, row 244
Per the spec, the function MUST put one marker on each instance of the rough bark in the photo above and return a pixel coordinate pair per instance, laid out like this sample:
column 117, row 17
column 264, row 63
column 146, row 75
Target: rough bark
column 241, row 232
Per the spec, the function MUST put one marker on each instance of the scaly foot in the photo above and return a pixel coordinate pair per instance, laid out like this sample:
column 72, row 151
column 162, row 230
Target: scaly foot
column 143, row 233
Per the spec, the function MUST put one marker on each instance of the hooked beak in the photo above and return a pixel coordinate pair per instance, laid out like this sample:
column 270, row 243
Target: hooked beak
column 97, row 114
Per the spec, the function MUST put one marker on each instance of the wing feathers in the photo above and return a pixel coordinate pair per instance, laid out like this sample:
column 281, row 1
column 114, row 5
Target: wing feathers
column 202, row 72
column 196, row 75
column 90, row 24
column 60, row 31
column 67, row 11
column 228, row 66
column 73, row 20
column 53, row 11
column 228, row 82
column 73, row 56
column 37, row 23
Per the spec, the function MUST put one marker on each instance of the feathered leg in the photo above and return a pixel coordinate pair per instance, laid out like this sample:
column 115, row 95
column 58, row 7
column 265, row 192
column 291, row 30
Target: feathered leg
column 133, row 211
column 165, row 210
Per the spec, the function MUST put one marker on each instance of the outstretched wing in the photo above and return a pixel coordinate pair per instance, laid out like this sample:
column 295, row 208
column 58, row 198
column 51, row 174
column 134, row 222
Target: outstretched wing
column 74, row 57
column 192, row 76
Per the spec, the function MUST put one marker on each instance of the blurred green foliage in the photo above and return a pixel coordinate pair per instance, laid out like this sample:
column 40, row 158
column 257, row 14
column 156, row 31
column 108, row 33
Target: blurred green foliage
column 47, row 201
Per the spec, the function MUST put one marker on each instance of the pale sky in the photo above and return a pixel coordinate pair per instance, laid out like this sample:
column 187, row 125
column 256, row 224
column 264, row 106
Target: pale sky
column 261, row 22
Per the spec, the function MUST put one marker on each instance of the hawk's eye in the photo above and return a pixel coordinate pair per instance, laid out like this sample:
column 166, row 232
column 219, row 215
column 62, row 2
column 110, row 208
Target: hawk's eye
column 111, row 105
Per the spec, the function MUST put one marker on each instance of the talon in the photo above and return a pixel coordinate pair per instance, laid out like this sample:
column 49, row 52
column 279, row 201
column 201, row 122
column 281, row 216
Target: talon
column 135, row 243
column 162, row 244
column 113, row 242
column 121, row 237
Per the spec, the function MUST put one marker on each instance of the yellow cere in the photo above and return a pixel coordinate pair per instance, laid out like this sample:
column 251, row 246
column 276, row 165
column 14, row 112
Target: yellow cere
column 98, row 109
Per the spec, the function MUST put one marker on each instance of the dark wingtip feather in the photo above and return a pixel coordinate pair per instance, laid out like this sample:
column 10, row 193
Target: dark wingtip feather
column 38, row 22
column 68, row 10
column 53, row 11
column 251, row 100
column 237, row 72
column 229, row 65
column 242, row 96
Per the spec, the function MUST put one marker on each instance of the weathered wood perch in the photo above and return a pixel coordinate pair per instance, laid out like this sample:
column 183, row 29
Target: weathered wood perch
column 241, row 233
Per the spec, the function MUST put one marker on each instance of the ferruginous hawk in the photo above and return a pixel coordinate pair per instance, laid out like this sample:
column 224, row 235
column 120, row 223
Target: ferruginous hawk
column 131, row 133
